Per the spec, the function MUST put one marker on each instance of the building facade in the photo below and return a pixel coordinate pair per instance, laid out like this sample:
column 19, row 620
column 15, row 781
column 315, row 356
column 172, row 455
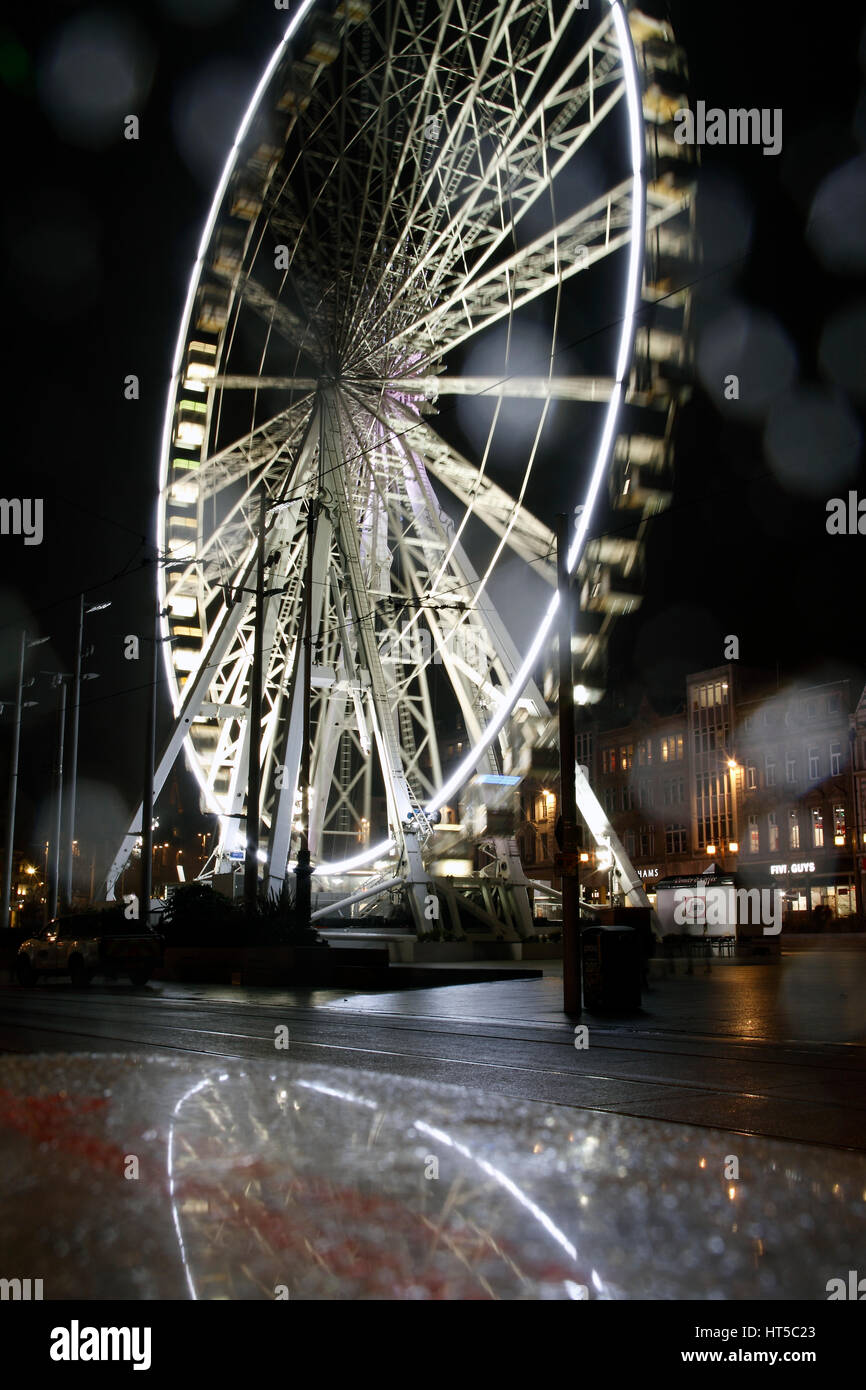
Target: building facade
column 763, row 780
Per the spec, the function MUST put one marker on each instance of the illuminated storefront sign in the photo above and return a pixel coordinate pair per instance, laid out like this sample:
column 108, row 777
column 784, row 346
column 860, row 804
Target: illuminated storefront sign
column 648, row 873
column 806, row 866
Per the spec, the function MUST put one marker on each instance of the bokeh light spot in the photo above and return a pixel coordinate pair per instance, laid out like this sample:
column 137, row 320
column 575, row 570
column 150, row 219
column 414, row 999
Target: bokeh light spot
column 812, row 441
column 98, row 70
column 752, row 346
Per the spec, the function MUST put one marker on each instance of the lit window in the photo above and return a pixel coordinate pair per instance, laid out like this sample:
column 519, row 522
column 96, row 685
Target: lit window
column 751, row 777
column 817, row 827
column 626, row 756
column 754, row 836
column 839, row 824
column 773, row 826
column 793, row 831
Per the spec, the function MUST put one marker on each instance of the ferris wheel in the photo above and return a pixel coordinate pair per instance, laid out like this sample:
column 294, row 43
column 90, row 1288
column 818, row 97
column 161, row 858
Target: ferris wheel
column 417, row 192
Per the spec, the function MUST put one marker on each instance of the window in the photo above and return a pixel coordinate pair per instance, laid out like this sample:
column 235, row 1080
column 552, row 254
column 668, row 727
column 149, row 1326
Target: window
column 645, row 794
column 540, row 808
column 770, row 771
column 610, row 800
column 817, row 827
column 811, row 709
column 672, row 748
column 751, row 777
column 647, row 839
column 608, row 760
column 835, row 758
column 626, row 756
column 754, row 836
column 793, row 831
column 790, row 768
column 641, row 754
column 674, row 791
column 833, row 703
column 839, row 825
column 627, row 799
column 584, row 750
column 630, row 843
column 543, row 842
column 814, row 764
column 748, row 722
column 675, row 839
column 773, row 829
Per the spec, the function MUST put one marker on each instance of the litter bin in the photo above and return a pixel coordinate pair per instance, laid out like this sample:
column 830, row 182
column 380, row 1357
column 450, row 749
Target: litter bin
column 611, row 968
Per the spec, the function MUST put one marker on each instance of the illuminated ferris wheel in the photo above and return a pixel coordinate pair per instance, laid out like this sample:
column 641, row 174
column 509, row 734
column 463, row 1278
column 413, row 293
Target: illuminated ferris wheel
column 416, row 192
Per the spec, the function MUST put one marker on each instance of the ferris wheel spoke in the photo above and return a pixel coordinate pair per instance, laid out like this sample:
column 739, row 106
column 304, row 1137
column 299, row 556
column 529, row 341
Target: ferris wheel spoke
column 414, row 101
column 538, row 142
column 265, row 383
column 556, row 388
column 586, row 238
column 526, row 535
column 445, row 57
column 259, row 448
column 292, row 327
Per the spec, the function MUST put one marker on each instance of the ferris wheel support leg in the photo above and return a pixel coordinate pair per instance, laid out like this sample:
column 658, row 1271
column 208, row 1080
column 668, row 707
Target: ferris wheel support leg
column 194, row 694
column 288, row 757
column 606, row 838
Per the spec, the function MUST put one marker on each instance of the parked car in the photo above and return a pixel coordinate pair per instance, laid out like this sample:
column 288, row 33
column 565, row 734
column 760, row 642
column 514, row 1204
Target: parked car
column 90, row 943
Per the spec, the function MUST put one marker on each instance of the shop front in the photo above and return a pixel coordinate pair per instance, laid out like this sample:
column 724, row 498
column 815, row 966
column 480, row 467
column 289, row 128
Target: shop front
column 816, row 892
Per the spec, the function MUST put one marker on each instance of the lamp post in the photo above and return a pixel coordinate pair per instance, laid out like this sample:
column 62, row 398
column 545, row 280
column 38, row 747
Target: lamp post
column 20, row 705
column 60, row 683
column 73, row 749
column 733, row 842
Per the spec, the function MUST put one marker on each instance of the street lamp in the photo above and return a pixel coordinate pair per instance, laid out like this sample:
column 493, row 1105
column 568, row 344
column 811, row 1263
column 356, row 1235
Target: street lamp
column 76, row 708
column 733, row 769
column 20, row 704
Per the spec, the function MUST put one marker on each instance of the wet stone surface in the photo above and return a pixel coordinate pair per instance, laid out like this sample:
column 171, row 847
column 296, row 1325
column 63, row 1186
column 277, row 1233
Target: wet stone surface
column 265, row 1180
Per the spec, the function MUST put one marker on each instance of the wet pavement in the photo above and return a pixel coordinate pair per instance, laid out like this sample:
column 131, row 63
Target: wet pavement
column 159, row 1177
column 777, row 1050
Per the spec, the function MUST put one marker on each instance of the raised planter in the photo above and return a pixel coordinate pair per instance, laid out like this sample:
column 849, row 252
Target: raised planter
column 269, row 965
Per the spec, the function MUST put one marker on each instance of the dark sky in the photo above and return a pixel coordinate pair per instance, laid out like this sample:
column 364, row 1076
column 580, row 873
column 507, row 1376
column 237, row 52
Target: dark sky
column 98, row 236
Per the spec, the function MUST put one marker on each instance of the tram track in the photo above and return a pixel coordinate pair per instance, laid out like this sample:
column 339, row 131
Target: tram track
column 403, row 1046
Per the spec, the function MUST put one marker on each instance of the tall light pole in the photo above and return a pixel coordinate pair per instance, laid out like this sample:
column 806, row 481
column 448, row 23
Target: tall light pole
column 73, row 748
column 146, row 883
column 571, row 943
column 20, row 704
column 60, row 681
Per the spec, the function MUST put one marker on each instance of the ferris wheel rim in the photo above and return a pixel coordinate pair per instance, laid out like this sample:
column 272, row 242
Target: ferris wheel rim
column 636, row 243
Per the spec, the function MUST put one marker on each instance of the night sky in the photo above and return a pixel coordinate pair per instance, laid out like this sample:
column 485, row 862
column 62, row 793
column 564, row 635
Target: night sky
column 99, row 235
